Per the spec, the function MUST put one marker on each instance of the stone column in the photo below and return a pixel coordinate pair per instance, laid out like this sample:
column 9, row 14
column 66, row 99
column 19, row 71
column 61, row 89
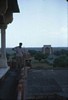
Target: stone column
column 3, row 38
column 3, row 59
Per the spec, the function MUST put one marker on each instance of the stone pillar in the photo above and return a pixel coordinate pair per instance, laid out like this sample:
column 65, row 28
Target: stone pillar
column 7, row 8
column 3, row 38
column 3, row 59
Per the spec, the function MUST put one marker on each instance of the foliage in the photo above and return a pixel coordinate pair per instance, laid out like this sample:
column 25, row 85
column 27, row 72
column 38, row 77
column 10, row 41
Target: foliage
column 39, row 56
column 61, row 52
column 32, row 52
column 61, row 61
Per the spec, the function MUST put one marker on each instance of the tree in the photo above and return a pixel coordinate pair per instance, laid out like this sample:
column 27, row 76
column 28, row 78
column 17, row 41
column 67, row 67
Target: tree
column 39, row 56
column 32, row 52
column 61, row 61
column 61, row 52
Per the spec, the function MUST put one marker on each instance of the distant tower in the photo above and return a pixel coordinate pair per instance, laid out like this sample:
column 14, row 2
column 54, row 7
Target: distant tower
column 47, row 49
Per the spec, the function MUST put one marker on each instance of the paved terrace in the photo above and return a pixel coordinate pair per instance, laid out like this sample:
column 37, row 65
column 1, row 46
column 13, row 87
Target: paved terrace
column 45, row 82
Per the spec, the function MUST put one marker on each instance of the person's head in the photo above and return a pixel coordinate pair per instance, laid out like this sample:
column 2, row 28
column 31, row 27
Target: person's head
column 20, row 44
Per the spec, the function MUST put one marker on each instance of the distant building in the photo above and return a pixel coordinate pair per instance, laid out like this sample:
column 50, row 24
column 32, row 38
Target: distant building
column 47, row 49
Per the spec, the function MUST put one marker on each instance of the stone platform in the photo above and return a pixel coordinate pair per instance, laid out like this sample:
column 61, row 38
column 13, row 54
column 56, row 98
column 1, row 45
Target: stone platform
column 46, row 82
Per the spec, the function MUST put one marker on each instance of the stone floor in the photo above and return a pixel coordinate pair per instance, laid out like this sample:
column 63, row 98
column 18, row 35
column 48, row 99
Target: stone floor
column 8, row 86
column 46, row 82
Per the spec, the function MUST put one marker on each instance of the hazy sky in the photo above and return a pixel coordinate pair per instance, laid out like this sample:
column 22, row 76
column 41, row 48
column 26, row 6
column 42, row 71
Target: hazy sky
column 40, row 22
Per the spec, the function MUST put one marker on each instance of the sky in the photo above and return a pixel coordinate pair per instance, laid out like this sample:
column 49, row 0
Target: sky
column 40, row 22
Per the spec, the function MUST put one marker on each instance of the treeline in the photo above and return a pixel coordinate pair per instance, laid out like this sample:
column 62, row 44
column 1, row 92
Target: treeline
column 58, row 58
column 38, row 55
column 62, row 58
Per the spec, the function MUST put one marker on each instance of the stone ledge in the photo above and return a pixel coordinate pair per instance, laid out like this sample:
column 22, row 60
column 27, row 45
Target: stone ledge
column 3, row 71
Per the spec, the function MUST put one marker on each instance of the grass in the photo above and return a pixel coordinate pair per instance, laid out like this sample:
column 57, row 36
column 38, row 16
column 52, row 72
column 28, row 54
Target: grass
column 44, row 65
column 41, row 65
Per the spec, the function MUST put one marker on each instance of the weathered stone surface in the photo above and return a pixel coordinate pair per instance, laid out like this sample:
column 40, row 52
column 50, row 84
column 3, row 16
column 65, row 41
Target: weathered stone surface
column 46, row 83
column 7, row 8
column 3, row 6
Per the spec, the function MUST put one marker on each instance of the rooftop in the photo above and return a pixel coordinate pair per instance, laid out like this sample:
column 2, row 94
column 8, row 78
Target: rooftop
column 45, row 82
